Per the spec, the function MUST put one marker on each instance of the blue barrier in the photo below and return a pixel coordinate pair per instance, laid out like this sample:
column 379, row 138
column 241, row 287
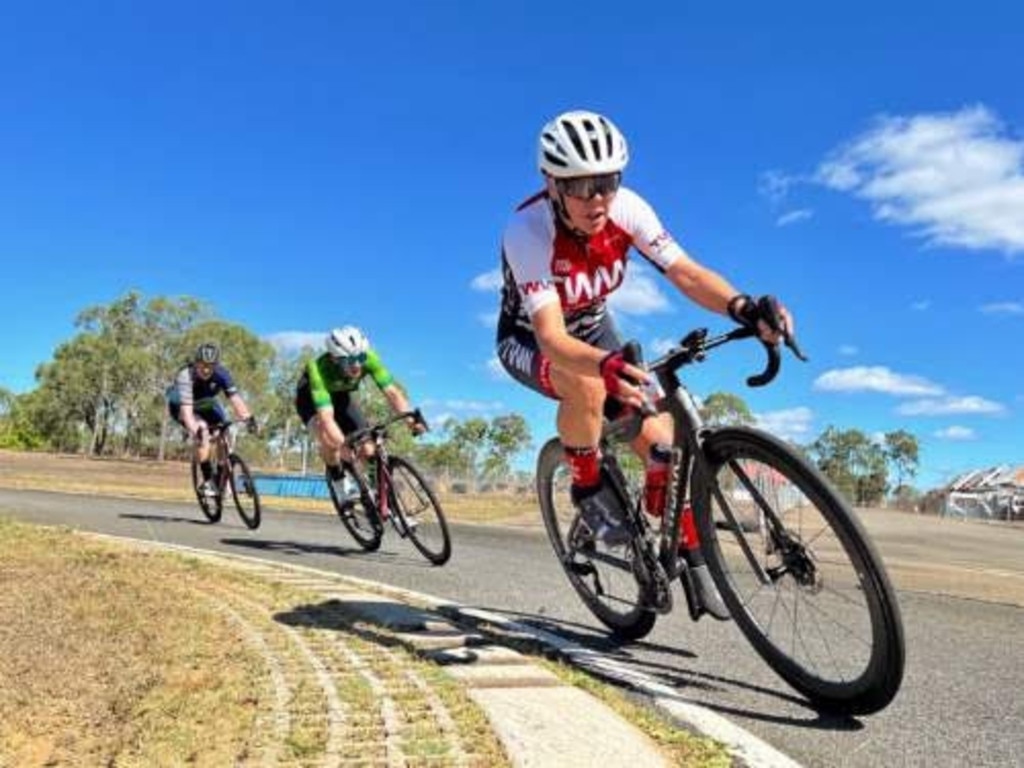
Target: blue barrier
column 299, row 486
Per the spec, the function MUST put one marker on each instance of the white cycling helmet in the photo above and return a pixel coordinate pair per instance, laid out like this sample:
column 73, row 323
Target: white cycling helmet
column 347, row 342
column 581, row 143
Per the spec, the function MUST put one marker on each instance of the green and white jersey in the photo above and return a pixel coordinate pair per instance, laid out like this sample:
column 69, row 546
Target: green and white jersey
column 326, row 377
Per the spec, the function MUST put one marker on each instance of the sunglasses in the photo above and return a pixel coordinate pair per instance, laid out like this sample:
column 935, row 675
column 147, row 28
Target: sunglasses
column 352, row 360
column 204, row 369
column 587, row 187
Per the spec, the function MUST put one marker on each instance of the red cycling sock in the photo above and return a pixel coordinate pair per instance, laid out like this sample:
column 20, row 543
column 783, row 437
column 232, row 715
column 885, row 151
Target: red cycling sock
column 584, row 465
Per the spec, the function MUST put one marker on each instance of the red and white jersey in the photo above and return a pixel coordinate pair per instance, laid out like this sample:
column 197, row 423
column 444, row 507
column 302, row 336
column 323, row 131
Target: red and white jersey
column 544, row 262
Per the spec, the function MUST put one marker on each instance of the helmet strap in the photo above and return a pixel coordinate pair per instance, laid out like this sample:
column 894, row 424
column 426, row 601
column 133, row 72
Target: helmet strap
column 562, row 212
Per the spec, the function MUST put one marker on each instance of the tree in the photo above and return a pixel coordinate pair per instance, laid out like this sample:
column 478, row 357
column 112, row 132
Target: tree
column 854, row 463
column 506, row 436
column 902, row 452
column 725, row 409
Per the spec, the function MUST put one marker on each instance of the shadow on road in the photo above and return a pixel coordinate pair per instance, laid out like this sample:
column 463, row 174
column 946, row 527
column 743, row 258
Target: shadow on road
column 165, row 519
column 296, row 547
column 686, row 684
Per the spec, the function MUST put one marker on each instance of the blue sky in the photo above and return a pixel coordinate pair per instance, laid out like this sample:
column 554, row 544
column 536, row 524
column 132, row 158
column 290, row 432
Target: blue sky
column 308, row 166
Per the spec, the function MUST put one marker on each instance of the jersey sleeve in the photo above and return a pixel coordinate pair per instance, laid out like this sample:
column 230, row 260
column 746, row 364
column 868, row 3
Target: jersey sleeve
column 527, row 248
column 375, row 368
column 183, row 387
column 317, row 386
column 649, row 236
column 225, row 380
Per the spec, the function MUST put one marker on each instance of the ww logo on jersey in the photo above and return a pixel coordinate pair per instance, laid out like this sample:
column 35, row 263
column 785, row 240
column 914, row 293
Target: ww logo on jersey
column 583, row 288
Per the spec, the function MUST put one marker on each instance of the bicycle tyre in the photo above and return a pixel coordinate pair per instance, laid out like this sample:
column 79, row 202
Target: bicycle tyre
column 881, row 670
column 360, row 517
column 212, row 508
column 631, row 623
column 428, row 507
column 240, row 471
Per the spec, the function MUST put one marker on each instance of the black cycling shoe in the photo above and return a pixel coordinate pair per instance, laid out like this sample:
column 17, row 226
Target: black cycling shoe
column 601, row 512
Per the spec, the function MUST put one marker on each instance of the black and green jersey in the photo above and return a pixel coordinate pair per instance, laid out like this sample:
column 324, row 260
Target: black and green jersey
column 327, row 377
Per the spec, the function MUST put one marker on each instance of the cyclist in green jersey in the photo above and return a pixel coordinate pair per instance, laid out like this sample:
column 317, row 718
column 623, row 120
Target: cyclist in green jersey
column 323, row 397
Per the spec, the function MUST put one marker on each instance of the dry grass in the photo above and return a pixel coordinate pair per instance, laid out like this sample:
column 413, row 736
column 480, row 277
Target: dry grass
column 106, row 657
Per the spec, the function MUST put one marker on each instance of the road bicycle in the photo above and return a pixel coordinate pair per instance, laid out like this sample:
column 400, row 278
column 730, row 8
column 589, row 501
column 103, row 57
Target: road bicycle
column 229, row 471
column 792, row 563
column 389, row 488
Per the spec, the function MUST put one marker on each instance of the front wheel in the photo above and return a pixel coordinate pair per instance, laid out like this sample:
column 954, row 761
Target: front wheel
column 243, row 491
column 211, row 506
column 356, row 508
column 418, row 512
column 604, row 579
column 798, row 572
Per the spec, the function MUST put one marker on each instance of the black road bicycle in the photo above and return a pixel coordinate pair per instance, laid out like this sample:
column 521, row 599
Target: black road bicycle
column 229, row 471
column 389, row 488
column 792, row 563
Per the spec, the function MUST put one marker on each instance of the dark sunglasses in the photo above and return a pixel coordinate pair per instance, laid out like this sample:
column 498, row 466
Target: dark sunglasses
column 352, row 360
column 587, row 187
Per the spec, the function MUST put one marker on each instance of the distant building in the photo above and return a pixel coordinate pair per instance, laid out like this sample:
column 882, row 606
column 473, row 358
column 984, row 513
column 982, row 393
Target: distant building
column 994, row 493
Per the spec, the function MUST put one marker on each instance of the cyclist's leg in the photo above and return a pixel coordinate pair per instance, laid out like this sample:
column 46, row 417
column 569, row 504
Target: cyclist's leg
column 581, row 404
column 321, row 424
column 349, row 418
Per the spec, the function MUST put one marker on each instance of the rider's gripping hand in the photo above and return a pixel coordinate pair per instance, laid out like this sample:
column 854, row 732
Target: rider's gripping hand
column 416, row 426
column 252, row 425
column 622, row 380
column 764, row 314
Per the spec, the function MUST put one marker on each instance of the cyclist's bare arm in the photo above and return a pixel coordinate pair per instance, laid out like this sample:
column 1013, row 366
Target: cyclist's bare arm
column 712, row 291
column 396, row 398
column 239, row 406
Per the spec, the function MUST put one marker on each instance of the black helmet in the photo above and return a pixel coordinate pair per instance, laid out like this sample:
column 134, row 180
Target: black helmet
column 208, row 353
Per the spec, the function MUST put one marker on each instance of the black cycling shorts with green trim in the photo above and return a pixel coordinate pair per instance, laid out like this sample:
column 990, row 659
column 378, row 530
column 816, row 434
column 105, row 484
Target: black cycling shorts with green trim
column 347, row 415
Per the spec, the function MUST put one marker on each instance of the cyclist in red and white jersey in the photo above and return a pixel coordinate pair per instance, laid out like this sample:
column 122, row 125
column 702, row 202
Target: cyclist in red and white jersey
column 563, row 252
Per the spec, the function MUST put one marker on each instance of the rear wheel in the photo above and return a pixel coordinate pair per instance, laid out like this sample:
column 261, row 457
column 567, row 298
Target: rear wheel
column 418, row 511
column 356, row 508
column 243, row 491
column 602, row 577
column 211, row 506
column 798, row 572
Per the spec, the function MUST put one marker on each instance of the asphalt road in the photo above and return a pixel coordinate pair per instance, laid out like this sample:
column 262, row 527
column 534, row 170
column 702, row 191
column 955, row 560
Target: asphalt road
column 960, row 705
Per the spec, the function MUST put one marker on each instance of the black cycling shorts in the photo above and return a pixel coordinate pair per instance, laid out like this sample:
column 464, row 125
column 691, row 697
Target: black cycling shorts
column 347, row 415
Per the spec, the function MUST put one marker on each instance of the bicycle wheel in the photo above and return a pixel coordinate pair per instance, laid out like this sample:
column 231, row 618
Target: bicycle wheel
column 419, row 512
column 212, row 507
column 243, row 491
column 358, row 512
column 799, row 573
column 603, row 579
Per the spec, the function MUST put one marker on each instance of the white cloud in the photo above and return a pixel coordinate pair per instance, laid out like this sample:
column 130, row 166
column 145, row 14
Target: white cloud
column 920, row 306
column 661, row 346
column 956, row 178
column 488, row 281
column 956, row 433
column 948, row 406
column 775, row 186
column 791, row 423
column 496, row 370
column 1003, row 308
column 639, row 293
column 294, row 341
column 875, row 379
column 792, row 217
column 465, row 406
column 848, row 350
